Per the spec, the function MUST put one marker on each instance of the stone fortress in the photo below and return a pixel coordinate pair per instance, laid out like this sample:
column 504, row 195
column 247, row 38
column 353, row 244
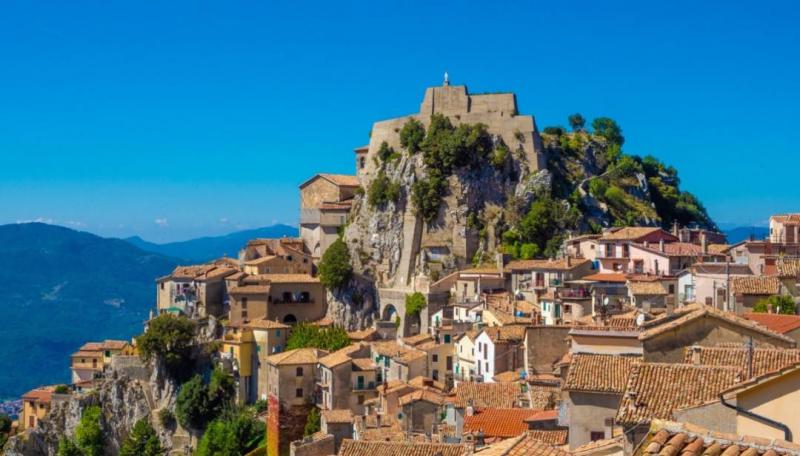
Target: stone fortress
column 402, row 248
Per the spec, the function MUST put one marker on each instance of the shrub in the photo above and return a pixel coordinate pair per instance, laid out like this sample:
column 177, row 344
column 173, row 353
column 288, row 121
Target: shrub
column 528, row 251
column 67, row 447
column 232, row 435
column 412, row 135
column 312, row 422
column 142, row 441
column 555, row 131
column 88, row 433
column 577, row 122
column 306, row 335
column 334, row 267
column 608, row 129
column 627, row 166
column 61, row 389
column 615, row 196
column 426, row 195
column 415, row 302
column 382, row 190
column 167, row 418
column 199, row 404
column 780, row 304
column 387, row 153
column 500, row 155
column 598, row 187
column 169, row 338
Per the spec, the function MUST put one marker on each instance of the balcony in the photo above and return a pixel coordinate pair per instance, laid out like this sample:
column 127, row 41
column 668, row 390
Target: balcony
column 293, row 301
column 574, row 293
column 556, row 282
column 366, row 386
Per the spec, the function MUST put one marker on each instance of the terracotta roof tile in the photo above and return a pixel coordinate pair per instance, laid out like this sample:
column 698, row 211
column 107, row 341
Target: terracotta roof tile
column 560, row 264
column 364, row 364
column 249, row 289
column 298, row 356
column 541, row 442
column 669, row 438
column 495, row 422
column 755, row 285
column 777, row 322
column 764, row 359
column 787, row 219
column 375, row 448
column 285, row 278
column 393, row 350
column 507, row 377
column 654, row 390
column 606, row 277
column 788, row 267
column 337, row 416
column 599, row 373
column 630, row 233
column 486, row 395
column 338, row 357
column 647, row 288
column 506, row 333
column 422, row 395
column 265, row 324
column 43, row 394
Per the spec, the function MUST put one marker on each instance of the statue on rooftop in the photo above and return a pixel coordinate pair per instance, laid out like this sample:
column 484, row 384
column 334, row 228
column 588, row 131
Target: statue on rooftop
column 446, row 79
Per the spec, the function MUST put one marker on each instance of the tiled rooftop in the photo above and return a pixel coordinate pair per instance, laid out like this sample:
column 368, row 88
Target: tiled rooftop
column 375, row 448
column 755, row 285
column 485, row 395
column 647, row 288
column 779, row 323
column 764, row 360
column 298, row 356
column 630, row 233
column 561, row 264
column 669, row 438
column 337, row 416
column 495, row 422
column 599, row 373
column 654, row 390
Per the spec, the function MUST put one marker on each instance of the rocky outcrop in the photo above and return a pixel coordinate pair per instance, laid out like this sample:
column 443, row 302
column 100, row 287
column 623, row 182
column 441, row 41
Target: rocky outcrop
column 354, row 305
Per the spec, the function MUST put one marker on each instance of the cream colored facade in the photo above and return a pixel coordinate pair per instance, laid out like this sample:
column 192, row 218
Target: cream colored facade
column 775, row 398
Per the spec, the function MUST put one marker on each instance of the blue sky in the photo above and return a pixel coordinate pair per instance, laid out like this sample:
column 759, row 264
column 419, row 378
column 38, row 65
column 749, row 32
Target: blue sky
column 177, row 119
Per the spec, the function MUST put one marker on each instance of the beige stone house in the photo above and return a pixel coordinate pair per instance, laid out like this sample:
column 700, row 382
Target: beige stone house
column 784, row 229
column 325, row 202
column 748, row 290
column 614, row 253
column 270, row 338
column 347, row 378
column 290, row 375
column 94, row 357
column 591, row 394
column 648, row 295
column 396, row 362
column 707, row 283
column 288, row 298
column 532, row 278
column 197, row 290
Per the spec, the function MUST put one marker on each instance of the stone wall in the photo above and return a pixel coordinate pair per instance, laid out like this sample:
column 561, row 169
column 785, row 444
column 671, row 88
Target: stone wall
column 544, row 345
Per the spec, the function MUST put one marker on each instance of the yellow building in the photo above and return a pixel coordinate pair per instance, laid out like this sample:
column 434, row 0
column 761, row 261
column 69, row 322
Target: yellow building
column 773, row 397
column 270, row 338
column 35, row 406
column 239, row 347
column 93, row 357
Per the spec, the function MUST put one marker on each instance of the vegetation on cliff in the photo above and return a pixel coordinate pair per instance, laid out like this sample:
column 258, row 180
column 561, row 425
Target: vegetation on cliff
column 88, row 436
column 234, row 434
column 141, row 441
column 334, row 267
column 305, row 335
column 169, row 338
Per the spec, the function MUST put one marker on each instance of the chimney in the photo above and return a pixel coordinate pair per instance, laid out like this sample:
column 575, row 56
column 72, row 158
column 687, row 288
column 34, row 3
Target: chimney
column 661, row 245
column 675, row 231
column 647, row 244
column 703, row 242
column 569, row 261
column 695, row 354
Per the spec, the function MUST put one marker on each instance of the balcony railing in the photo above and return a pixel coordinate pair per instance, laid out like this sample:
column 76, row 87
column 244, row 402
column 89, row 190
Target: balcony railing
column 364, row 386
column 556, row 282
column 574, row 293
column 293, row 301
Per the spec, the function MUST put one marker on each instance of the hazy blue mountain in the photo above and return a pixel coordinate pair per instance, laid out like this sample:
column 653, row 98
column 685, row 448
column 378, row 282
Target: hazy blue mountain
column 62, row 288
column 211, row 247
column 743, row 232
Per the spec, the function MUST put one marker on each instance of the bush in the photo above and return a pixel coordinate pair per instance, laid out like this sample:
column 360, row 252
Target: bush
column 780, row 304
column 627, row 166
column 500, row 155
column 412, row 135
column 232, row 435
column 88, row 433
column 598, row 187
column 192, row 408
column 386, row 153
column 306, row 335
column 142, row 441
column 67, row 447
column 169, row 338
column 426, row 195
column 615, row 196
column 61, row 389
column 608, row 129
column 415, row 302
column 528, row 251
column 312, row 423
column 334, row 267
column 260, row 406
column 382, row 190
column 577, row 122
column 555, row 131
column 167, row 418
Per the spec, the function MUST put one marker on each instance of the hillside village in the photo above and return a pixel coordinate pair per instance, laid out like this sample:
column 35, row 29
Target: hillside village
column 603, row 333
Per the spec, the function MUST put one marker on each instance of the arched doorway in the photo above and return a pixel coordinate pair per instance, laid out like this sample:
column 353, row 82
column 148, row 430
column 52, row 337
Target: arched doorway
column 290, row 319
column 389, row 313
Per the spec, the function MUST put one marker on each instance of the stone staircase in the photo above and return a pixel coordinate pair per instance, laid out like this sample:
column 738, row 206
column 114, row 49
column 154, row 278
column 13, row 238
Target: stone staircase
column 412, row 234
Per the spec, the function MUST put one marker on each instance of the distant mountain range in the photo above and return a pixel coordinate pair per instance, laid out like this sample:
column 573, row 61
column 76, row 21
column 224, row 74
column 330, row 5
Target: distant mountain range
column 62, row 288
column 742, row 233
column 208, row 248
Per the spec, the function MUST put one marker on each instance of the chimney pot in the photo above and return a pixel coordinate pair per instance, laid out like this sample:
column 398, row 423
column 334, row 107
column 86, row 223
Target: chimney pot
column 661, row 245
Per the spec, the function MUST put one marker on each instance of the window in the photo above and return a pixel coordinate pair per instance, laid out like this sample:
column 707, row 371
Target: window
column 289, row 258
column 244, row 314
column 671, row 289
column 360, row 398
column 449, row 363
column 162, row 285
column 597, row 435
column 486, row 354
column 435, row 374
column 305, row 260
column 435, row 358
column 244, row 303
column 278, row 333
column 108, row 353
column 299, row 372
column 447, row 338
column 298, row 392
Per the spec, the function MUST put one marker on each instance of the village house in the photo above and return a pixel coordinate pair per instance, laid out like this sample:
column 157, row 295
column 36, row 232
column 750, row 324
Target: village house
column 544, row 346
column 665, row 338
column 747, row 291
column 465, row 357
column 614, row 253
column 195, row 291
column 347, row 378
column 239, row 354
column 707, row 283
column 269, row 338
column 591, row 394
column 35, row 406
column 287, row 298
column 648, row 295
column 422, row 410
column 397, row 362
column 290, row 375
column 93, row 358
column 383, row 448
column 499, row 349
column 583, row 246
column 762, row 256
column 668, row 258
column 325, row 202
column 533, row 278
column 784, row 229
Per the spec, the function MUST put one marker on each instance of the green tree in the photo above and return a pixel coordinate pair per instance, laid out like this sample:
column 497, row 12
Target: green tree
column 141, row 441
column 192, row 407
column 411, row 135
column 608, row 129
column 312, row 422
column 88, row 433
column 67, row 447
column 387, row 153
column 61, row 389
column 169, row 338
column 221, row 392
column 234, row 434
column 577, row 122
column 555, row 131
column 500, row 155
column 781, row 304
column 598, row 187
column 335, row 267
column 5, row 423
column 382, row 190
column 426, row 195
column 528, row 251
column 415, row 302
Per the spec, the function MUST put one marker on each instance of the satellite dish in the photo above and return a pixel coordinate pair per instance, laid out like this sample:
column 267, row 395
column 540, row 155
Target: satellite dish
column 605, row 301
